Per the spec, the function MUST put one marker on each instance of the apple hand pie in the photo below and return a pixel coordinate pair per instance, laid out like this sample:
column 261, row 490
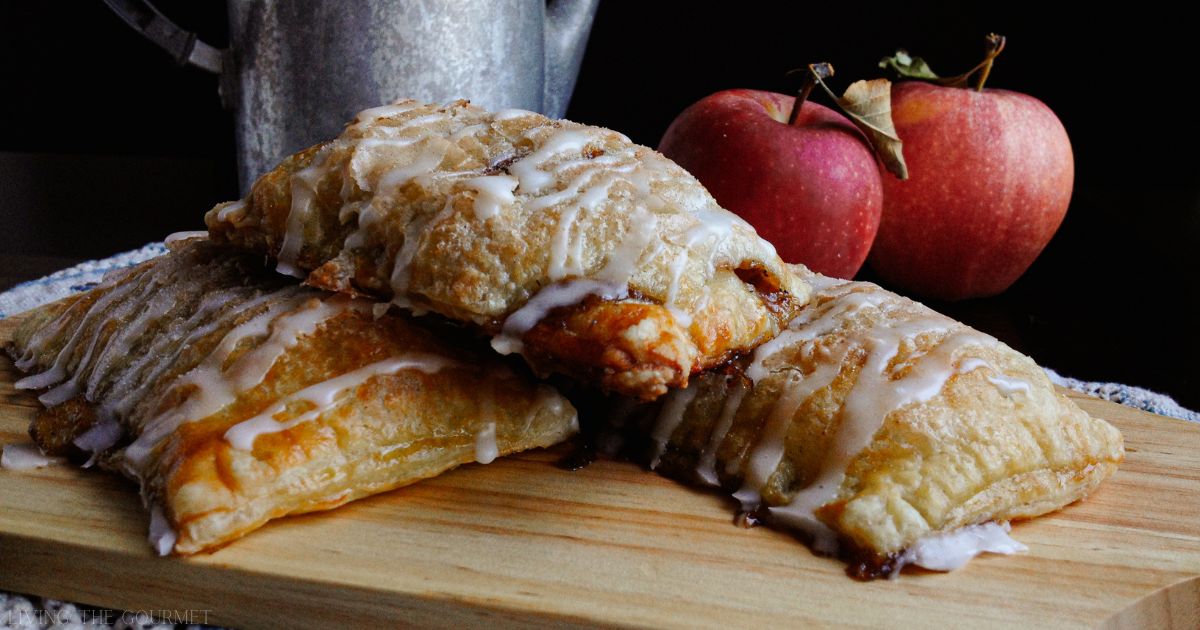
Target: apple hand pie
column 235, row 396
column 875, row 423
column 586, row 253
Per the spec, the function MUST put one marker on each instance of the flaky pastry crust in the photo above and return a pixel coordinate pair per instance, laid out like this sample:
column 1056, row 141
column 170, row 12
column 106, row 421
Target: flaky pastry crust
column 236, row 397
column 876, row 422
column 496, row 218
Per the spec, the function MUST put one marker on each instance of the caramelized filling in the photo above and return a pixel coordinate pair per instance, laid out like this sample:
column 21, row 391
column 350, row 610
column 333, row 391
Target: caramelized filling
column 54, row 430
column 780, row 303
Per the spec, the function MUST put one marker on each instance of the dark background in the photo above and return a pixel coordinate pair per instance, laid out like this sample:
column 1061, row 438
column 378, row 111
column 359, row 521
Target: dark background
column 106, row 144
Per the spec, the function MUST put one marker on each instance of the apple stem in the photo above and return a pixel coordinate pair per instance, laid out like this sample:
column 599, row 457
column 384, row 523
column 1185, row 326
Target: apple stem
column 993, row 45
column 816, row 72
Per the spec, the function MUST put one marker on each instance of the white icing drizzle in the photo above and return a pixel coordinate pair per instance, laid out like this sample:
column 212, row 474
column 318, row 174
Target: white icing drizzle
column 588, row 188
column 549, row 298
column 952, row 550
column 826, row 284
column 584, row 193
column 115, row 343
column 286, row 331
column 970, row 364
column 303, row 185
column 430, row 148
column 486, row 449
column 430, row 153
column 1007, row 385
column 26, row 457
column 872, row 398
column 627, row 256
column 162, row 536
column 426, row 161
column 414, row 232
column 387, row 135
column 706, row 467
column 369, row 116
column 37, row 343
column 119, row 345
column 669, row 419
column 365, row 145
column 612, row 283
column 288, row 269
column 136, row 316
column 469, row 130
column 509, row 114
column 492, row 193
column 99, row 438
column 217, row 385
column 150, row 366
column 175, row 237
column 417, row 139
column 57, row 371
column 561, row 251
column 325, row 395
column 814, row 322
column 533, row 179
column 232, row 211
column 135, row 312
column 768, row 452
column 712, row 224
column 118, row 306
column 442, row 115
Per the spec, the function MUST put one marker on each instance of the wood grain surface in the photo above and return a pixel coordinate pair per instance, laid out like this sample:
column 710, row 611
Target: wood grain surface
column 522, row 542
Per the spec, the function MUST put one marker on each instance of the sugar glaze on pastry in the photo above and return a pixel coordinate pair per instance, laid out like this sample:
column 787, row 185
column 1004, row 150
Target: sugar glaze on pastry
column 582, row 251
column 25, row 457
column 236, row 396
column 877, row 423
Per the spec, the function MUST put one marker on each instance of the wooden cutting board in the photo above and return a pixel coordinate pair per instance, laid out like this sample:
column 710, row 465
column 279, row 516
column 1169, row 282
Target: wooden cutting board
column 522, row 542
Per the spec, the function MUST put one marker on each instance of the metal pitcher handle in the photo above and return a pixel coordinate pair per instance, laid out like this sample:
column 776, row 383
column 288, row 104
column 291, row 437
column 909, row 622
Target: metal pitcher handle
column 568, row 23
column 183, row 45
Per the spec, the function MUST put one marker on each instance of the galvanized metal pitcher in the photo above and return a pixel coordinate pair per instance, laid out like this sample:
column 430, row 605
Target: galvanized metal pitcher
column 295, row 72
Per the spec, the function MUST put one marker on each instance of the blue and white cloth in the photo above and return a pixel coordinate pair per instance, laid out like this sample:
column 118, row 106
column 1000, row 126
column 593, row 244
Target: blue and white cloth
column 1127, row 395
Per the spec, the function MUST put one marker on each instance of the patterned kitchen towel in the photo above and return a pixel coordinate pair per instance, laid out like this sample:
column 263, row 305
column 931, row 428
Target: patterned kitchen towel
column 1127, row 395
column 82, row 276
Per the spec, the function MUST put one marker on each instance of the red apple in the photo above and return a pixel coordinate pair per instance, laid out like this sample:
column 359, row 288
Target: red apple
column 990, row 177
column 811, row 188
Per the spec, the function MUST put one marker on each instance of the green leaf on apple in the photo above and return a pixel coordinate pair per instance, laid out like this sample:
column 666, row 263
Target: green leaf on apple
column 869, row 106
column 908, row 67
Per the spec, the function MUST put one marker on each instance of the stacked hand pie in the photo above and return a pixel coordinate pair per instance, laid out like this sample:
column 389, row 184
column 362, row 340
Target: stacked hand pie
column 879, row 428
column 234, row 394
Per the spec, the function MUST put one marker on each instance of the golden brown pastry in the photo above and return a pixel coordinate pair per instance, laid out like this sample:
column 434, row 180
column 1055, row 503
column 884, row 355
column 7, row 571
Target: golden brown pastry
column 877, row 423
column 236, row 396
column 582, row 251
